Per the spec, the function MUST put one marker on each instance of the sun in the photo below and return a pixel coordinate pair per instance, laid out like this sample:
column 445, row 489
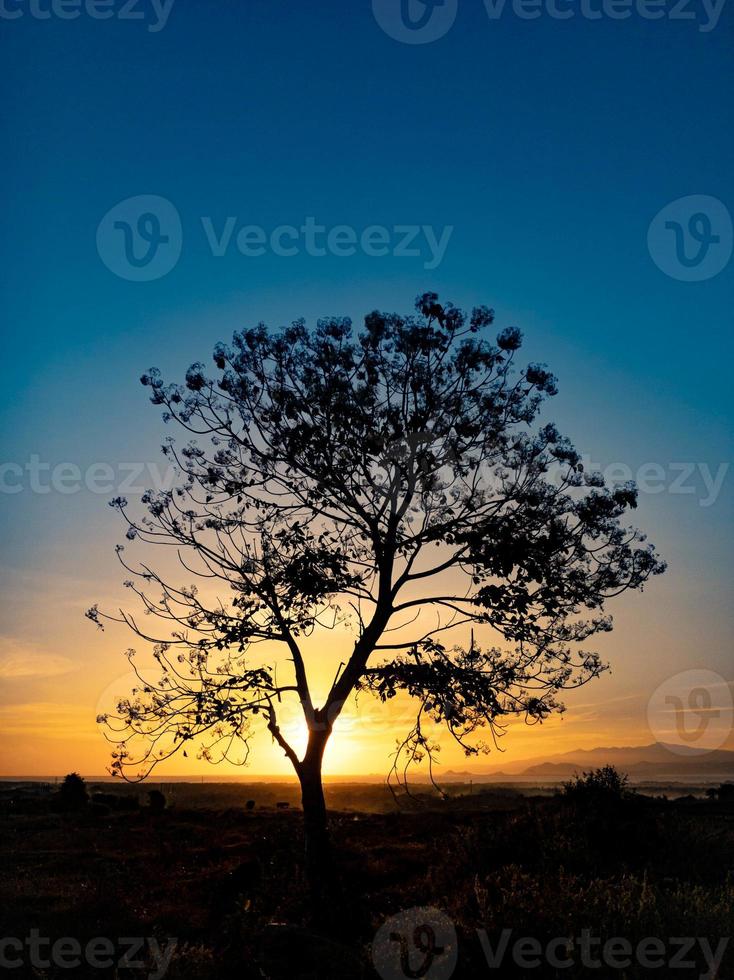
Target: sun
column 351, row 750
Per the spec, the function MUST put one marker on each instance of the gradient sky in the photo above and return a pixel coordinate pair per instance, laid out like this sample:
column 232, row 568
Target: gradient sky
column 548, row 146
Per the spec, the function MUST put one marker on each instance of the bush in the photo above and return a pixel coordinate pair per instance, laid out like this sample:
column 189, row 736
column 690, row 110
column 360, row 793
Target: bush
column 73, row 792
column 600, row 784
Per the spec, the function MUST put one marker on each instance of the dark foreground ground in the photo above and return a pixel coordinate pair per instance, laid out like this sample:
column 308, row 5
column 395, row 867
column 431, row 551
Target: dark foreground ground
column 227, row 885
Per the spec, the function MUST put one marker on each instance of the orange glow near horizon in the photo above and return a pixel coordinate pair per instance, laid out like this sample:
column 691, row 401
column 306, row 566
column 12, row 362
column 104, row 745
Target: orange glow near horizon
column 55, row 685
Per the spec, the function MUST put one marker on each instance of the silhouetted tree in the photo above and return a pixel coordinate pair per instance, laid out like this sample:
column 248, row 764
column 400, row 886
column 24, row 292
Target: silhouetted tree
column 73, row 792
column 392, row 478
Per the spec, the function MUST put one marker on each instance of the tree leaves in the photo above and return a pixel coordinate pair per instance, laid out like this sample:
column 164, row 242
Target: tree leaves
column 326, row 472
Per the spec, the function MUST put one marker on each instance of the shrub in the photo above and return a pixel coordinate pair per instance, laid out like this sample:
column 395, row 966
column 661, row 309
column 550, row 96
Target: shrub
column 73, row 792
column 599, row 784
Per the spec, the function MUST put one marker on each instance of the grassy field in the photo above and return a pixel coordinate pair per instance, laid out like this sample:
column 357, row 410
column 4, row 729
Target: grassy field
column 226, row 883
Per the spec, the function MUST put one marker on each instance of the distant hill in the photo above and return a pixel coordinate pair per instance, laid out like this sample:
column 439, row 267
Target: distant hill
column 641, row 762
column 656, row 762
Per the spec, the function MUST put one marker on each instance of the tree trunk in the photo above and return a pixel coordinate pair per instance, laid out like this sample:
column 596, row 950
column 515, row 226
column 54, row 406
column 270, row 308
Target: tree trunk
column 315, row 822
column 319, row 865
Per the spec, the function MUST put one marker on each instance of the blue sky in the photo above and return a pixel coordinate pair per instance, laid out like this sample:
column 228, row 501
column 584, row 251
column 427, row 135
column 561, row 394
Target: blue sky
column 546, row 146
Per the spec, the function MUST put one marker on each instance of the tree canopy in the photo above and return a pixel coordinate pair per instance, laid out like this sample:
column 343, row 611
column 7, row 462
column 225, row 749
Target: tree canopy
column 398, row 477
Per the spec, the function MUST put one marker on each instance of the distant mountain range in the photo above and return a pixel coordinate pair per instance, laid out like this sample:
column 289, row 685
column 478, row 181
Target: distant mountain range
column 643, row 763
column 654, row 763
